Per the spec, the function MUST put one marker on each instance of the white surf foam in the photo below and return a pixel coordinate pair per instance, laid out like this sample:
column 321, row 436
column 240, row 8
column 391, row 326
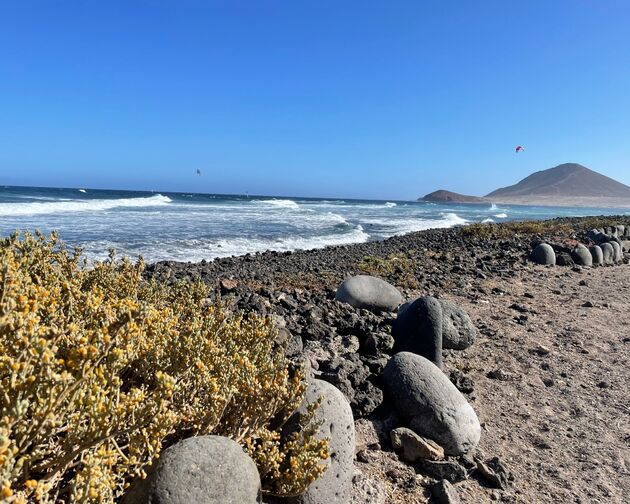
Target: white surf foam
column 501, row 216
column 389, row 204
column 282, row 203
column 82, row 191
column 97, row 205
column 493, row 207
column 486, row 221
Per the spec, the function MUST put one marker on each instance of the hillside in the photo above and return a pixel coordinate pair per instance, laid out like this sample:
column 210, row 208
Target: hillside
column 569, row 180
column 443, row 196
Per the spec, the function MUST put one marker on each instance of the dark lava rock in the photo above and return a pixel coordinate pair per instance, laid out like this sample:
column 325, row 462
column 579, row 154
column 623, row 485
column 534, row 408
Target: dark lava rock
column 444, row 493
column 418, row 329
column 461, row 381
column 450, row 470
column 564, row 259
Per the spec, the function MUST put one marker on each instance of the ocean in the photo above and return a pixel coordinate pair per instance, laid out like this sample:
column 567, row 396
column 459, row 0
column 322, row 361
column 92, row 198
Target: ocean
column 192, row 227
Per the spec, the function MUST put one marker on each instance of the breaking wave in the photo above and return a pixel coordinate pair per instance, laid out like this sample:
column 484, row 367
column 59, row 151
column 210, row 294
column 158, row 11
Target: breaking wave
column 282, row 203
column 39, row 208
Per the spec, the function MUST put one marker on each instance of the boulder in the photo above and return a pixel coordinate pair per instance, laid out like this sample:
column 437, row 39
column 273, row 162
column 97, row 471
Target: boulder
column 371, row 293
column 608, row 253
column 625, row 245
column 621, row 230
column 413, row 447
column 618, row 255
column 418, row 329
column 335, row 485
column 582, row 256
column 458, row 331
column 544, row 254
column 597, row 254
column 203, row 470
column 430, row 403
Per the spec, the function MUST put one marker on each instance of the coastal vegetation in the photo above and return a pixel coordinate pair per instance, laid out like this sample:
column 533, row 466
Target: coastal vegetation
column 100, row 370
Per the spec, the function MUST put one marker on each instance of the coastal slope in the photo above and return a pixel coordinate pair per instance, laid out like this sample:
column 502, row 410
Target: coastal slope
column 444, row 196
column 565, row 184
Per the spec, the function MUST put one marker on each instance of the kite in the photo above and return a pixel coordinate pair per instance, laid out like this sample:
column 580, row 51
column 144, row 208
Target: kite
column 519, row 148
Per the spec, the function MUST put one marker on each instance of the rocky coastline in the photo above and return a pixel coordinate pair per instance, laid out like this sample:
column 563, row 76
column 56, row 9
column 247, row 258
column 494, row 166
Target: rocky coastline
column 497, row 311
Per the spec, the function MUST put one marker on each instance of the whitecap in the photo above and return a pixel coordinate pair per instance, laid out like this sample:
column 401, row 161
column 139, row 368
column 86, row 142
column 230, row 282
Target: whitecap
column 389, row 204
column 97, row 205
column 282, row 203
column 487, row 221
column 501, row 216
column 493, row 207
column 82, row 191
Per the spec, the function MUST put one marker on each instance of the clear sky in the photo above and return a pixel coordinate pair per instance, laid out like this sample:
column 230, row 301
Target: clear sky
column 311, row 98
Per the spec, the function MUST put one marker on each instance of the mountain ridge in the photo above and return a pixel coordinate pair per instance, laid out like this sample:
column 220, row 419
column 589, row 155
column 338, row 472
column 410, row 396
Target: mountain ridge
column 565, row 180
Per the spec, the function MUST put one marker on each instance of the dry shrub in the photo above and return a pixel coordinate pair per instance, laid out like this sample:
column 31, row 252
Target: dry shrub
column 99, row 370
column 508, row 230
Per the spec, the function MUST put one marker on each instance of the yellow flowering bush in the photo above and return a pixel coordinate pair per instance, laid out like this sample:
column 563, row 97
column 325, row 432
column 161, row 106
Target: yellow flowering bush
column 100, row 369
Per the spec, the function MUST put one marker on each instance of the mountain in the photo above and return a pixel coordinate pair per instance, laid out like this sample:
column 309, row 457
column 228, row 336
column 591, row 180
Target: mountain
column 569, row 182
column 444, row 196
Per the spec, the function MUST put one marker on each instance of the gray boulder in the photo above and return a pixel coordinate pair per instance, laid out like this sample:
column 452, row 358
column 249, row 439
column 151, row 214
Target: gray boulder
column 621, row 230
column 625, row 245
column 544, row 254
column 458, row 331
column 597, row 254
column 369, row 292
column 335, row 485
column 608, row 253
column 430, row 403
column 418, row 329
column 582, row 256
column 618, row 255
column 203, row 470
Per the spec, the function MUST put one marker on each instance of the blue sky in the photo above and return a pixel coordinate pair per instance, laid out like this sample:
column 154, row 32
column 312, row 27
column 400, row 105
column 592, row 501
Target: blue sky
column 311, row 98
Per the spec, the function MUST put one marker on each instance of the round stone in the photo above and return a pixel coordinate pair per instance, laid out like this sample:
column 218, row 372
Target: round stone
column 371, row 293
column 597, row 254
column 544, row 254
column 203, row 470
column 582, row 256
column 458, row 331
column 430, row 403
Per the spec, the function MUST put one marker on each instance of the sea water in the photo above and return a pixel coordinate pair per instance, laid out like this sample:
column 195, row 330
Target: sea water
column 192, row 227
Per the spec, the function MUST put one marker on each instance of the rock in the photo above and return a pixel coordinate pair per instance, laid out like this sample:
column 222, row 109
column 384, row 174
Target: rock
column 564, row 259
column 494, row 472
column 544, row 254
column 625, row 245
column 618, row 255
column 458, row 331
column 462, row 382
column 203, row 470
column 582, row 256
column 413, row 447
column 430, row 403
column 597, row 254
column 227, row 285
column 335, row 485
column 418, row 329
column 621, row 230
column 444, row 493
column 369, row 292
column 450, row 470
column 608, row 253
